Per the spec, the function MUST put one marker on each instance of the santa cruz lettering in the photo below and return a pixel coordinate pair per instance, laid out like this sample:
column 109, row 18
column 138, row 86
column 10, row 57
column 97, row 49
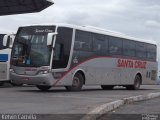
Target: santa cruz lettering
column 125, row 63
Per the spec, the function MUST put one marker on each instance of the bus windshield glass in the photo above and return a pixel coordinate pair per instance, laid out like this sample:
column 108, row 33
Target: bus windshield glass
column 30, row 47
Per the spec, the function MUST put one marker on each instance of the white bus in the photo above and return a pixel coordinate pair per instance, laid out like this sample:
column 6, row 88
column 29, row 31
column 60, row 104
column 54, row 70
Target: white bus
column 6, row 42
column 73, row 56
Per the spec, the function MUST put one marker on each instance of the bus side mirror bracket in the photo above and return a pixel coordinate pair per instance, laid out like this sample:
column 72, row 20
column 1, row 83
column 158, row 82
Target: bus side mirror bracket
column 50, row 38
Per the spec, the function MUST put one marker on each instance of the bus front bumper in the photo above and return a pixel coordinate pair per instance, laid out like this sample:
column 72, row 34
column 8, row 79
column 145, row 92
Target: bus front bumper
column 42, row 79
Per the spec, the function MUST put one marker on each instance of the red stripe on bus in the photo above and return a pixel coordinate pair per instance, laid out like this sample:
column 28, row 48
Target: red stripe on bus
column 92, row 59
column 77, row 66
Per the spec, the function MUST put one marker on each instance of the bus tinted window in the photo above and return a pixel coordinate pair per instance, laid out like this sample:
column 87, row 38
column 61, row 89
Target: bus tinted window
column 100, row 44
column 62, row 48
column 129, row 48
column 151, row 52
column 83, row 41
column 115, row 46
column 141, row 50
column 1, row 41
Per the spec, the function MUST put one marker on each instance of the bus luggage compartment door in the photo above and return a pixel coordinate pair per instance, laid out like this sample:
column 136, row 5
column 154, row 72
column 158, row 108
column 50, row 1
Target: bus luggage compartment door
column 3, row 71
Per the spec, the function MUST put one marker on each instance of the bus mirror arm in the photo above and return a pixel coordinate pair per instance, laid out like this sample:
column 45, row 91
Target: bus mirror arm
column 50, row 38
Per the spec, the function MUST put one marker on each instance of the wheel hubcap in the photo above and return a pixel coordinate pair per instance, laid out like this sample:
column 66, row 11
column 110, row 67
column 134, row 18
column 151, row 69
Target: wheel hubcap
column 76, row 82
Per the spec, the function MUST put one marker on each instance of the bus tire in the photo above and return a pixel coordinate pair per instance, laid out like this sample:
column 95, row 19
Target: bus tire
column 77, row 83
column 43, row 88
column 136, row 85
column 14, row 84
column 107, row 87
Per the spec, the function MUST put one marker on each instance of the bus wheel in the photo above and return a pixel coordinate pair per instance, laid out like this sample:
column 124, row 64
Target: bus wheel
column 77, row 83
column 136, row 85
column 107, row 87
column 14, row 84
column 43, row 88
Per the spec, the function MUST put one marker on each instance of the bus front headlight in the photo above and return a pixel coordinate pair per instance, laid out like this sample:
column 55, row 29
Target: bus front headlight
column 12, row 71
column 43, row 72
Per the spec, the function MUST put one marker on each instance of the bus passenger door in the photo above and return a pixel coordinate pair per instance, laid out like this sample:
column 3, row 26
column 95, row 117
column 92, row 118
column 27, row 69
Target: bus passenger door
column 62, row 48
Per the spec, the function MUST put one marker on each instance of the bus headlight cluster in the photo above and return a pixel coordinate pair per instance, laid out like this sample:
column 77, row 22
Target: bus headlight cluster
column 44, row 72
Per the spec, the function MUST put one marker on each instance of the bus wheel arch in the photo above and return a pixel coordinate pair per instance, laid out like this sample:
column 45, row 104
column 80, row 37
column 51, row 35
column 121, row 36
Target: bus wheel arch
column 78, row 80
column 140, row 75
column 137, row 82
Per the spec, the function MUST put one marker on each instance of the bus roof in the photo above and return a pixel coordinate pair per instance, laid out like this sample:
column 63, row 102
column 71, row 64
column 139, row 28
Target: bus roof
column 5, row 33
column 97, row 30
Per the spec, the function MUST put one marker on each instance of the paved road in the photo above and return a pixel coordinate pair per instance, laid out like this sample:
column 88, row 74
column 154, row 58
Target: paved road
column 136, row 111
column 59, row 101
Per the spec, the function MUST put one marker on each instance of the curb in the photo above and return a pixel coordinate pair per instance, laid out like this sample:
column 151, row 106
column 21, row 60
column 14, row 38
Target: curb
column 99, row 111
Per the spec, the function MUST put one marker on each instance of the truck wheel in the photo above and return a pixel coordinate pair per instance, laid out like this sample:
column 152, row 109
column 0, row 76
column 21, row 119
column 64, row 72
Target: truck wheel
column 77, row 83
column 43, row 88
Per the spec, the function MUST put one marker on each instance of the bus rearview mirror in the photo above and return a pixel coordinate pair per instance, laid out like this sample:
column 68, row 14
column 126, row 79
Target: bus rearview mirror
column 50, row 38
column 8, row 39
column 11, row 40
column 5, row 40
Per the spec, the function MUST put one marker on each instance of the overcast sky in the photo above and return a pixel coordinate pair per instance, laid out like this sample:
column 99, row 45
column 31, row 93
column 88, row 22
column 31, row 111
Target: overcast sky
column 137, row 18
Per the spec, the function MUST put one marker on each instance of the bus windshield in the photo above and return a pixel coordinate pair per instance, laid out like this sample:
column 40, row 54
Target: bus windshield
column 30, row 48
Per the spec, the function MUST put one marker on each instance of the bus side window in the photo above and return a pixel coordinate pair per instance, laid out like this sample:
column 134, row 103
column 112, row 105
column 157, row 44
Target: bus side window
column 115, row 46
column 141, row 51
column 83, row 41
column 129, row 48
column 151, row 52
column 100, row 44
column 1, row 41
